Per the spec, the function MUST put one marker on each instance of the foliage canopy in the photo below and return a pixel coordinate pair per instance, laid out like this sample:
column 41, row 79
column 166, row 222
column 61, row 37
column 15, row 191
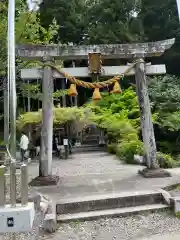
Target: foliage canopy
column 60, row 117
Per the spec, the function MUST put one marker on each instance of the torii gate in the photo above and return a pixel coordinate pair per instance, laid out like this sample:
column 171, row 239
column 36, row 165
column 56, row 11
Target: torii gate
column 137, row 52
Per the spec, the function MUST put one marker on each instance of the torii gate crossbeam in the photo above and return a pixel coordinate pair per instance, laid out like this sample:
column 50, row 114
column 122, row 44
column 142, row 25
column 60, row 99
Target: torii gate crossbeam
column 108, row 51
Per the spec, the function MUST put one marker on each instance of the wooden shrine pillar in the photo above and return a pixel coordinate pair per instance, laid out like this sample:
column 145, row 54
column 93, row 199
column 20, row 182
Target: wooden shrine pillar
column 76, row 97
column 153, row 169
column 63, row 87
column 73, row 99
column 47, row 122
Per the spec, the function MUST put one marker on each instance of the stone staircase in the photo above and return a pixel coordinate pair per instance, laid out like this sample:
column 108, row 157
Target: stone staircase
column 109, row 205
column 85, row 148
column 89, row 144
column 90, row 139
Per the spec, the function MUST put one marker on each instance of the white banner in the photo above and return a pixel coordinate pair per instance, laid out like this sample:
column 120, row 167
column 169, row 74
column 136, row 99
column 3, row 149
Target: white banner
column 178, row 6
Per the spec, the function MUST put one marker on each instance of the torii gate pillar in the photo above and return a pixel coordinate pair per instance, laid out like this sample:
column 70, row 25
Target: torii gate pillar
column 45, row 168
column 146, row 117
column 147, row 128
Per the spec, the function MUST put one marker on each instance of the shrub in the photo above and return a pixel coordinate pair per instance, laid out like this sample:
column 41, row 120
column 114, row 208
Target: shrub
column 118, row 114
column 60, row 116
column 111, row 148
column 127, row 149
column 166, row 161
column 178, row 214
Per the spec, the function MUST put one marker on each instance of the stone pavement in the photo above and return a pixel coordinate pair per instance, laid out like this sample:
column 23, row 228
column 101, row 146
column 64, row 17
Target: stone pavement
column 98, row 172
column 172, row 236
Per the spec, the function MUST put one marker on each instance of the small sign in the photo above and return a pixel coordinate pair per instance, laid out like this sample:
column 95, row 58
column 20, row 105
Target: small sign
column 10, row 222
column 65, row 142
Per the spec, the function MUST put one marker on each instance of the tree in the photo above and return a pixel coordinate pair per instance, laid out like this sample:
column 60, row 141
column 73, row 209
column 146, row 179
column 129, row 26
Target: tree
column 113, row 21
column 3, row 35
column 110, row 21
column 165, row 93
column 69, row 16
column 154, row 15
column 165, row 97
column 33, row 91
column 20, row 6
column 160, row 21
column 91, row 22
column 28, row 29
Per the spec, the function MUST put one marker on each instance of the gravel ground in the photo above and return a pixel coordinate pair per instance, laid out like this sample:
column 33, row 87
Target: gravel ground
column 125, row 228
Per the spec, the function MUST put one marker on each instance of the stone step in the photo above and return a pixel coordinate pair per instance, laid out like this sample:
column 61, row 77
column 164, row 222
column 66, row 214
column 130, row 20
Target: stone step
column 87, row 148
column 108, row 201
column 126, row 211
column 90, row 142
column 92, row 137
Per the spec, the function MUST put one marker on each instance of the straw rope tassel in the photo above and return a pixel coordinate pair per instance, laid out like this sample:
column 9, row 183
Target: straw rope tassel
column 72, row 91
column 96, row 94
column 116, row 88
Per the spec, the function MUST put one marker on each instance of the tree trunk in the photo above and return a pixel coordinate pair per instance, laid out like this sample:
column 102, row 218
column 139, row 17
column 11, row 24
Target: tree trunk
column 47, row 123
column 146, row 117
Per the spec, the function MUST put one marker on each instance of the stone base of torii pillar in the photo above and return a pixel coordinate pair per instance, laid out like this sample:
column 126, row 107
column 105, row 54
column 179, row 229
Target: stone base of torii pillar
column 44, row 181
column 154, row 173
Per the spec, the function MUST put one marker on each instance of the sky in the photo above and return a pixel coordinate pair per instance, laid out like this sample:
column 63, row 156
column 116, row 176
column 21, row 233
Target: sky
column 32, row 4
